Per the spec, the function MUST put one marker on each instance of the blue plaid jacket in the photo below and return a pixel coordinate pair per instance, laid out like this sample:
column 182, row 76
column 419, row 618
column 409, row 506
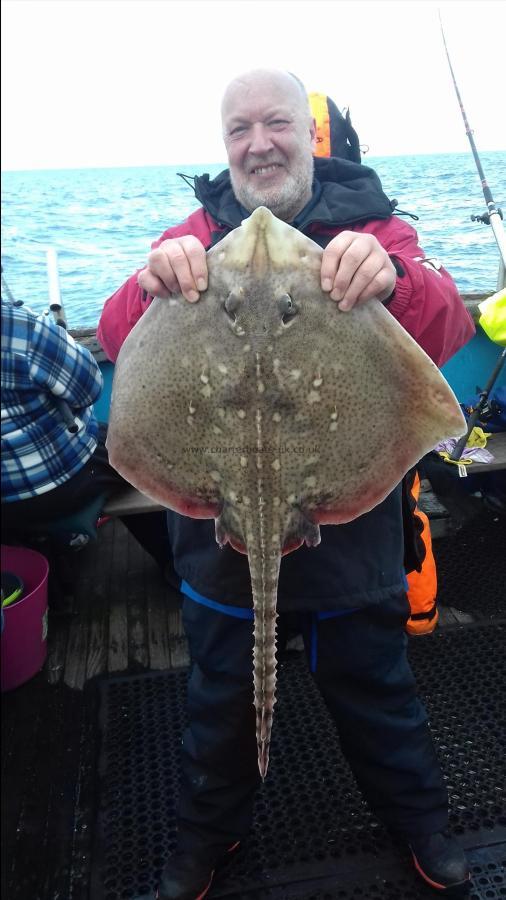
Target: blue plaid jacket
column 40, row 363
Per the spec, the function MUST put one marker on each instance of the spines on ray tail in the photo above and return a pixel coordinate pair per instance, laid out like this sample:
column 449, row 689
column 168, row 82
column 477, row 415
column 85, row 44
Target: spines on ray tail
column 264, row 569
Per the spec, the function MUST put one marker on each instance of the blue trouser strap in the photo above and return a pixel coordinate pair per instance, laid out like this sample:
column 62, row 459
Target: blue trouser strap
column 238, row 612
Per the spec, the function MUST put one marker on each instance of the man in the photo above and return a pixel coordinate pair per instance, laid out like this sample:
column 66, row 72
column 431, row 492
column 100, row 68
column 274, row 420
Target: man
column 351, row 589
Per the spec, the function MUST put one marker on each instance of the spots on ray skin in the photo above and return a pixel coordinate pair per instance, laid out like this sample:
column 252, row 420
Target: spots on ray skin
column 215, row 476
column 311, row 460
column 276, row 465
column 190, row 420
column 191, row 408
column 275, row 538
column 204, row 378
column 333, row 426
column 317, row 382
column 162, row 459
column 217, row 430
column 243, row 461
column 276, row 501
column 313, row 397
column 206, row 391
column 223, row 369
column 260, row 387
column 221, row 412
column 292, row 499
column 246, row 501
column 311, row 481
column 241, row 413
column 276, row 417
column 295, row 373
column 232, row 496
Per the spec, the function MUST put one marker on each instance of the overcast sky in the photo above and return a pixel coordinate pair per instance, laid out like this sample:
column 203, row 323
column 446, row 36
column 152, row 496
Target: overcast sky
column 139, row 82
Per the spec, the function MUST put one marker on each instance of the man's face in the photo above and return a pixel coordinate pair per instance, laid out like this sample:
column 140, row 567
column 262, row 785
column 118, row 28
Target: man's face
column 269, row 136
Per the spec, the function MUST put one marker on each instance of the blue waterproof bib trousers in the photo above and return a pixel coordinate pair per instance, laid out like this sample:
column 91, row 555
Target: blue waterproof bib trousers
column 360, row 665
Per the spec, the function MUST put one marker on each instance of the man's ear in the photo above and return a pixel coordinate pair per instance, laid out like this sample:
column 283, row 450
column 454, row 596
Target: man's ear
column 312, row 132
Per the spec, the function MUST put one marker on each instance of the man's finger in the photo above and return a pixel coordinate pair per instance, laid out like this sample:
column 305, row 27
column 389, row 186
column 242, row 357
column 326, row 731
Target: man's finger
column 355, row 259
column 177, row 261
column 196, row 256
column 374, row 287
column 332, row 256
column 151, row 284
column 359, row 281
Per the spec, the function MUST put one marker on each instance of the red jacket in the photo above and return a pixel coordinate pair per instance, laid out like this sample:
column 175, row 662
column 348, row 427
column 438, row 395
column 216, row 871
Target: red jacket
column 426, row 301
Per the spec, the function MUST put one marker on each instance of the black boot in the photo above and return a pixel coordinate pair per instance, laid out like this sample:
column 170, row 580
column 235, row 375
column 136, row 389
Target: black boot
column 441, row 862
column 188, row 876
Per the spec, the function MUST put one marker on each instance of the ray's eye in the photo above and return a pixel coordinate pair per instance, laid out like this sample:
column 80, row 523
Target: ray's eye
column 287, row 308
column 231, row 305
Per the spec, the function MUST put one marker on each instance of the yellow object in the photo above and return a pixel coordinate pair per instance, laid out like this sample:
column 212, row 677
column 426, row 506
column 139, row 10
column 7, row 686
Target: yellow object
column 456, row 462
column 493, row 317
column 478, row 437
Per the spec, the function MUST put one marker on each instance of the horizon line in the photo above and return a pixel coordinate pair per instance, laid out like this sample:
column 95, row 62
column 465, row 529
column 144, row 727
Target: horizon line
column 161, row 165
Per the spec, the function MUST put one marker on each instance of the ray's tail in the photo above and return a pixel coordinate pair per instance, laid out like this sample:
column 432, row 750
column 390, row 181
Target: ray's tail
column 264, row 581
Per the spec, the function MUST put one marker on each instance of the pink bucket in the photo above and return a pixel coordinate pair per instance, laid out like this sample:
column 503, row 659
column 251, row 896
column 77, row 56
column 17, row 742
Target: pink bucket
column 24, row 635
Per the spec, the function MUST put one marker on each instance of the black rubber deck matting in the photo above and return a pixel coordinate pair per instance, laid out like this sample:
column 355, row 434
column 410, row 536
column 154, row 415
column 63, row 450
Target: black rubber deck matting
column 471, row 567
column 313, row 836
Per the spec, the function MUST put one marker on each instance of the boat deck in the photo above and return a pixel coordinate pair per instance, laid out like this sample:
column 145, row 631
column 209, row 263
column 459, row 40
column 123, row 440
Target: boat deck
column 123, row 617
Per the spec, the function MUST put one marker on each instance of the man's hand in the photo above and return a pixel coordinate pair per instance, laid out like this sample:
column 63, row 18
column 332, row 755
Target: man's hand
column 177, row 266
column 355, row 267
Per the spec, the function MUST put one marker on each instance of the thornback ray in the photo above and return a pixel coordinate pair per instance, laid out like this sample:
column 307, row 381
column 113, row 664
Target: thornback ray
column 213, row 401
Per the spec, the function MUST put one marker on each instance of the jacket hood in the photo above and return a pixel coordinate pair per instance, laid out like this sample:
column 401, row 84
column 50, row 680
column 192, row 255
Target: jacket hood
column 351, row 192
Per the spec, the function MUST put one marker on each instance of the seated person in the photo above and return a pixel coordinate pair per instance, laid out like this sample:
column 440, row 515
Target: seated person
column 47, row 470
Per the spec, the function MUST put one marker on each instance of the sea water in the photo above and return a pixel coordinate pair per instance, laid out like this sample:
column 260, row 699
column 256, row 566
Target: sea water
column 102, row 222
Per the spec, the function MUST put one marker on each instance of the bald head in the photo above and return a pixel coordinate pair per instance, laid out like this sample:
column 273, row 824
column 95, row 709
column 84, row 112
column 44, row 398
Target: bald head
column 269, row 135
column 267, row 79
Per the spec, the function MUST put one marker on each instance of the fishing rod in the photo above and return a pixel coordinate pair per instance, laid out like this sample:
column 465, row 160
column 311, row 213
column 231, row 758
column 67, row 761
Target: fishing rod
column 58, row 313
column 494, row 215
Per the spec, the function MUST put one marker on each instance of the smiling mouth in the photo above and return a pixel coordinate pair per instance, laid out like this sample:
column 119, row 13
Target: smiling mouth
column 266, row 170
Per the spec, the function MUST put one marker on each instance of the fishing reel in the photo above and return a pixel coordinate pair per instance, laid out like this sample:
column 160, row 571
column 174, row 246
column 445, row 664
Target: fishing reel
column 485, row 218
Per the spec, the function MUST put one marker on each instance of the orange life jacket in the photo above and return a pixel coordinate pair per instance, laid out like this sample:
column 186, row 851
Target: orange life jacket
column 422, row 585
column 335, row 135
